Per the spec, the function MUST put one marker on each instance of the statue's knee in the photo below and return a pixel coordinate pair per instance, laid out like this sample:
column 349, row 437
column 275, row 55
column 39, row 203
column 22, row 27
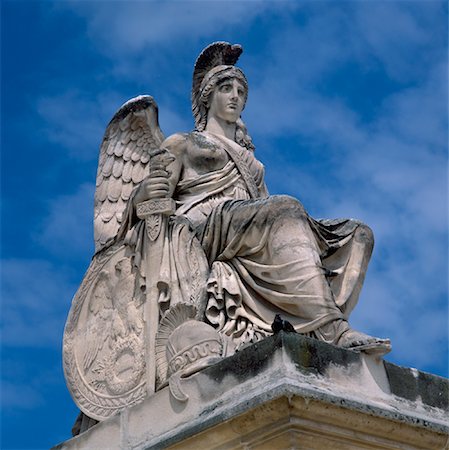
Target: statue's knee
column 290, row 205
column 365, row 235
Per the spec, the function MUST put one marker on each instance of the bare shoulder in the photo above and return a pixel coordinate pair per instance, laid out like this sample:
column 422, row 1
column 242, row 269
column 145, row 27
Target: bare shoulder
column 176, row 143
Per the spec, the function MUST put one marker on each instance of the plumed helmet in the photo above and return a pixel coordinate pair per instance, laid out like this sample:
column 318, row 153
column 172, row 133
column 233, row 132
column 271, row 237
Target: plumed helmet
column 216, row 57
column 183, row 342
column 191, row 343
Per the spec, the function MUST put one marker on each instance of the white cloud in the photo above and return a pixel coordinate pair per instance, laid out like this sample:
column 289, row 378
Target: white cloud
column 152, row 38
column 35, row 301
column 77, row 120
column 20, row 396
column 121, row 28
column 393, row 33
column 417, row 114
column 388, row 170
column 32, row 383
column 67, row 230
column 171, row 121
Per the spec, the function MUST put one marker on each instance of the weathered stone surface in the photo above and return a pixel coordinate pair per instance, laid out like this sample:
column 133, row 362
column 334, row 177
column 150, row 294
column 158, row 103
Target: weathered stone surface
column 107, row 436
column 288, row 391
column 415, row 385
column 187, row 222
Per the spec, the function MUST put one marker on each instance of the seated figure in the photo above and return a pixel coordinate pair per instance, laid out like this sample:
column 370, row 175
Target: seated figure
column 193, row 217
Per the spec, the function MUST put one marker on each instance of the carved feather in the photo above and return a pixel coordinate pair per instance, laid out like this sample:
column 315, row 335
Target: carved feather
column 142, row 141
column 103, row 156
column 119, row 149
column 135, row 125
column 109, row 147
column 107, row 168
column 145, row 157
column 125, row 137
column 117, row 169
column 126, row 190
column 107, row 210
column 114, row 189
column 99, row 179
column 137, row 152
column 124, row 124
column 136, row 133
column 139, row 172
column 122, row 163
column 127, row 171
column 107, row 229
column 121, row 208
column 129, row 151
column 102, row 191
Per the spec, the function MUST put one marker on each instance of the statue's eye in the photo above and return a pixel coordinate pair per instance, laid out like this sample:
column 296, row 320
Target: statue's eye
column 225, row 88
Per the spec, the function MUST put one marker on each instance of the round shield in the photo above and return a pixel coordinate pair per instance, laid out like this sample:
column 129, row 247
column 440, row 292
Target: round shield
column 103, row 350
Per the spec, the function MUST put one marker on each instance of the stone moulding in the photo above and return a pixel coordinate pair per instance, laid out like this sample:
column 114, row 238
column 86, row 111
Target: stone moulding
column 287, row 391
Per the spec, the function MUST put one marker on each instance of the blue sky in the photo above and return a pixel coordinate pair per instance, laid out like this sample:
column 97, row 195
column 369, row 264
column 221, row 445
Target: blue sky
column 348, row 112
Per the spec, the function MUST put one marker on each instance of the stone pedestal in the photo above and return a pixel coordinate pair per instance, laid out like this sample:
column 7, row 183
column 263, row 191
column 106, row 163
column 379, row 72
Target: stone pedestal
column 286, row 392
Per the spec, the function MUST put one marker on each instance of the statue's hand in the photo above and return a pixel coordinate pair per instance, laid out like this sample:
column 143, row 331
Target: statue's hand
column 156, row 185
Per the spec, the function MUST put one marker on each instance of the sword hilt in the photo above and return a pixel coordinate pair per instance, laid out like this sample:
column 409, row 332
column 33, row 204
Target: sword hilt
column 164, row 206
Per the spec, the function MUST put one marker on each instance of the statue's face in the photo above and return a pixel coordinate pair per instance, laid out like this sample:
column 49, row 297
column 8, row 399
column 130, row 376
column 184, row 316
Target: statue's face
column 227, row 100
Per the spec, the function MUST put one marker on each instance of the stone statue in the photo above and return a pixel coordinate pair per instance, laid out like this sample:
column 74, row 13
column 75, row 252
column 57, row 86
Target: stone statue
column 194, row 259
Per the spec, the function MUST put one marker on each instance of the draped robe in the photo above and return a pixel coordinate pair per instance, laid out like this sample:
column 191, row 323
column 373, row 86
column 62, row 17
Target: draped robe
column 259, row 256
column 254, row 255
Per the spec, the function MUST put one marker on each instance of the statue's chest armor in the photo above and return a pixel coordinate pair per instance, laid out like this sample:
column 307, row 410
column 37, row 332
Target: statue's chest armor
column 204, row 155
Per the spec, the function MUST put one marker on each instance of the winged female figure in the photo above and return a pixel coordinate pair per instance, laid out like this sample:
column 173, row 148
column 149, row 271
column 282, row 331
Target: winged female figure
column 236, row 253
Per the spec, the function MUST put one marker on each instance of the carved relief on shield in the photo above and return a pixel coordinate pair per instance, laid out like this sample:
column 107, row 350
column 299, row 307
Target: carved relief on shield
column 103, row 342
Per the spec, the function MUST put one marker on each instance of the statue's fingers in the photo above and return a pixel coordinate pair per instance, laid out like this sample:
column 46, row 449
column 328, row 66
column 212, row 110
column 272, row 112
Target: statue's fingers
column 157, row 180
column 159, row 173
column 158, row 194
column 158, row 187
column 157, row 177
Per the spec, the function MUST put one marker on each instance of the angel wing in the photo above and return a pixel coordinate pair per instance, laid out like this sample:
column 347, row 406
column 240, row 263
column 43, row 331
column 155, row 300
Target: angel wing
column 123, row 163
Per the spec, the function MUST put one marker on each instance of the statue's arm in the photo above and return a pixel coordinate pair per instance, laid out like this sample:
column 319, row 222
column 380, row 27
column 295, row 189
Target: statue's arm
column 161, row 183
column 176, row 145
column 263, row 190
column 258, row 171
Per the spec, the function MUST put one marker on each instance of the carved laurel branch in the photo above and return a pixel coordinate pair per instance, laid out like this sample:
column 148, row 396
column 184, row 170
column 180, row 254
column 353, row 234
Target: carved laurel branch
column 101, row 406
column 196, row 278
